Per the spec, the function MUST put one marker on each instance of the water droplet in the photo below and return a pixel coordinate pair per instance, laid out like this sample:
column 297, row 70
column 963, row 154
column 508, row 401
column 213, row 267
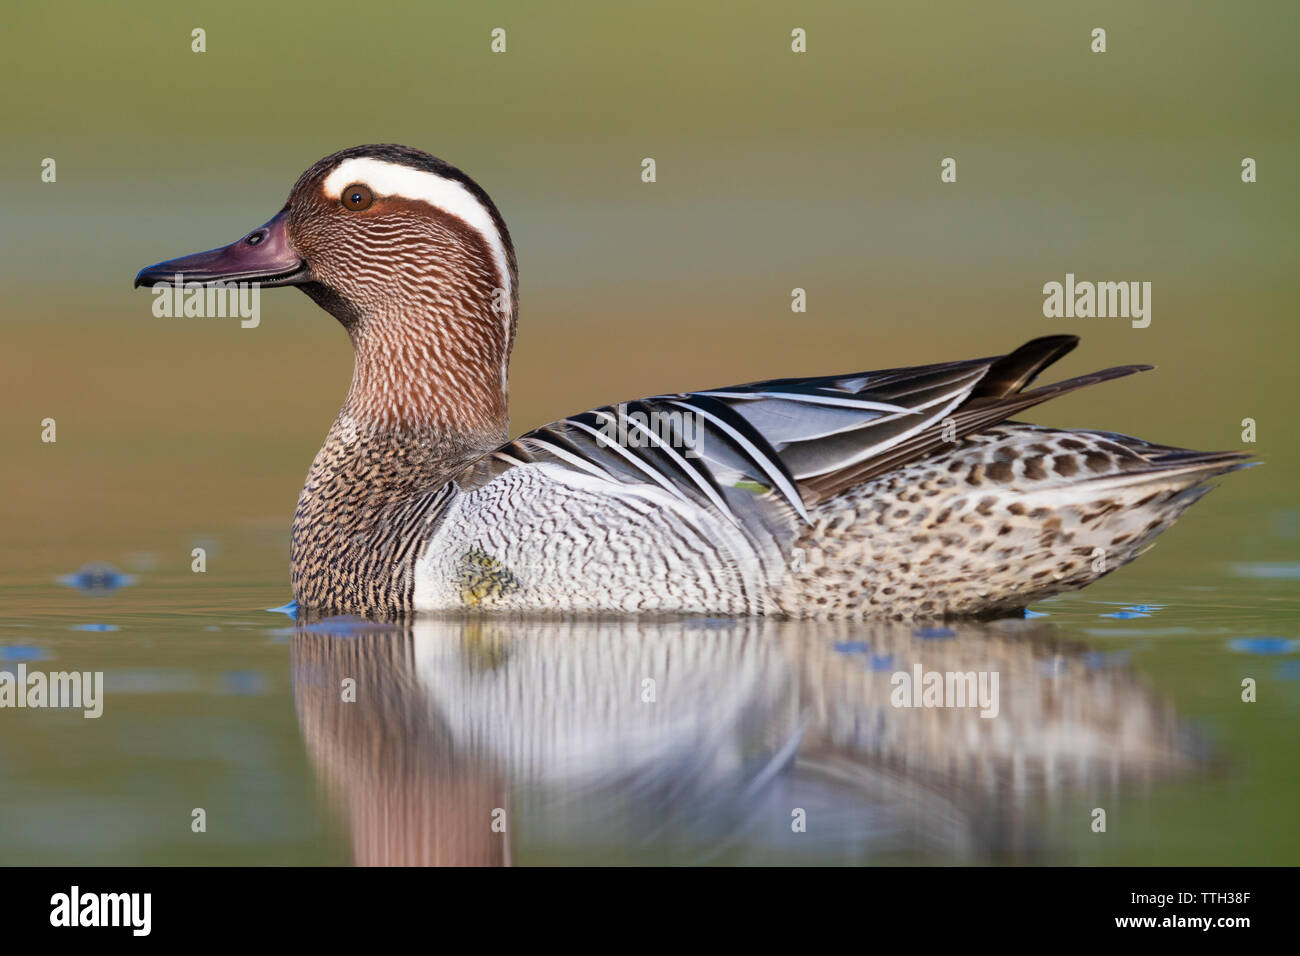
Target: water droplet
column 97, row 577
column 934, row 633
column 22, row 652
column 1262, row 645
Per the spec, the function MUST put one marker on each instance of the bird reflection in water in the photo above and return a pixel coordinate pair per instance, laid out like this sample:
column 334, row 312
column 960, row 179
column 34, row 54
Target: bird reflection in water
column 492, row 740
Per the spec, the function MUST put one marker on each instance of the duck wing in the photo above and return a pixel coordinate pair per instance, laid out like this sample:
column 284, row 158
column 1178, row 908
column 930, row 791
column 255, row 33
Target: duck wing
column 796, row 440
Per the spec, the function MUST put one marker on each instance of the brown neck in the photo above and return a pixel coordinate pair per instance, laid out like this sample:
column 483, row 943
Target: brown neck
column 443, row 374
column 428, row 397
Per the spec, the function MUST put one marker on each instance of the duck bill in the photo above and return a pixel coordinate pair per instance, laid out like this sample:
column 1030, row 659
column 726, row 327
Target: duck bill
column 264, row 256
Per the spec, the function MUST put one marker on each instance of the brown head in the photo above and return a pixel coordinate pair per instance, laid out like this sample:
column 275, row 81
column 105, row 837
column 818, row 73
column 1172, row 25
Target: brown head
column 415, row 261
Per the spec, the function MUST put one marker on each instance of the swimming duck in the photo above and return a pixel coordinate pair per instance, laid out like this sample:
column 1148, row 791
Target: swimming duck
column 904, row 492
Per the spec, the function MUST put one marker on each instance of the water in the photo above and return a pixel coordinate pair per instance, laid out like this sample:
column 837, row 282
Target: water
column 663, row 740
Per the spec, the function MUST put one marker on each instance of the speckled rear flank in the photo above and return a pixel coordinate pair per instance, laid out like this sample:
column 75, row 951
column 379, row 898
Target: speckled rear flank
column 1009, row 516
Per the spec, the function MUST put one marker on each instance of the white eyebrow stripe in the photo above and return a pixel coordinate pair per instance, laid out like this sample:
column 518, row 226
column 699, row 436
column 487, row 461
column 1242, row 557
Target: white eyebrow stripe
column 394, row 179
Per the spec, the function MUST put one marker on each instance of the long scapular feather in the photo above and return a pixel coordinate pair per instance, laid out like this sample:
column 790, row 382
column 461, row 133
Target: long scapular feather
column 800, row 441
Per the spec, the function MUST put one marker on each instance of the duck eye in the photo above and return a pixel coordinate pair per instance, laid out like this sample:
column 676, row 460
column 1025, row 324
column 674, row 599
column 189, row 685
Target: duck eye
column 357, row 197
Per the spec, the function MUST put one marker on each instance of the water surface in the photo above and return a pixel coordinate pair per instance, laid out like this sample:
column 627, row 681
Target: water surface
column 664, row 740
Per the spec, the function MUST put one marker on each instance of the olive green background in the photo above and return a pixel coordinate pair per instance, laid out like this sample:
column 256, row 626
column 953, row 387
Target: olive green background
column 775, row 171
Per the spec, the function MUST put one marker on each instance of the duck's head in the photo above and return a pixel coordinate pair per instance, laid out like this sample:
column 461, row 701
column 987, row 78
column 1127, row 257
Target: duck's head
column 413, row 258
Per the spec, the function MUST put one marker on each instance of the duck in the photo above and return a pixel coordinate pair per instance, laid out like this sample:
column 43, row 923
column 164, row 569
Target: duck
column 897, row 493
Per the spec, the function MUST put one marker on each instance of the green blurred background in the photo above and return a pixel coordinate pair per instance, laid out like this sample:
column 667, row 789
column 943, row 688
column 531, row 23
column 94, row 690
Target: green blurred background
column 775, row 171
